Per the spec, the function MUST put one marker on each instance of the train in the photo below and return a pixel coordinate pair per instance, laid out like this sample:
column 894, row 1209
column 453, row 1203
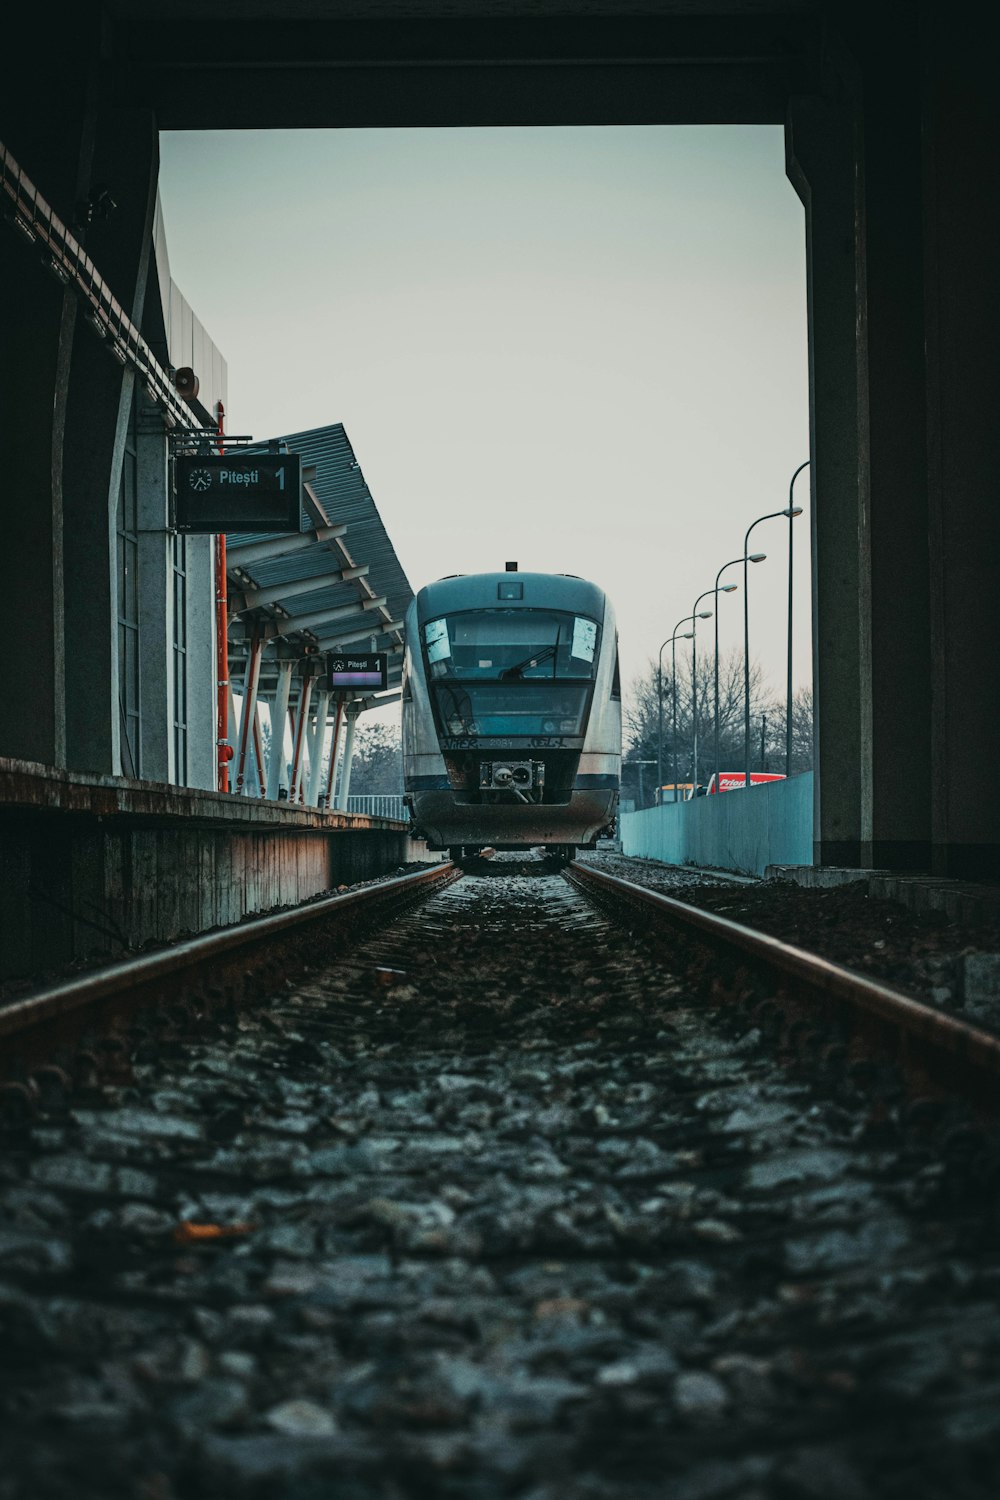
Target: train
column 511, row 714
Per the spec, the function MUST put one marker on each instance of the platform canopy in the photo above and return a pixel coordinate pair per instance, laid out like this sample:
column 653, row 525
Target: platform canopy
column 337, row 583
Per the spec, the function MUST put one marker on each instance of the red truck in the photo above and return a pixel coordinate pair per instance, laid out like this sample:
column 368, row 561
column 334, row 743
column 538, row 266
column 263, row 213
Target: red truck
column 731, row 781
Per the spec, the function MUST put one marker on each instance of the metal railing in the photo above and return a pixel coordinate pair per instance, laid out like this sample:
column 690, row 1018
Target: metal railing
column 379, row 805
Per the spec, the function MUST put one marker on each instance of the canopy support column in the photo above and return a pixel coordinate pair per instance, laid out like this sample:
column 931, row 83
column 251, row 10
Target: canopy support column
column 334, row 747
column 316, row 748
column 258, row 751
column 279, row 714
column 353, row 709
column 301, row 727
column 251, row 678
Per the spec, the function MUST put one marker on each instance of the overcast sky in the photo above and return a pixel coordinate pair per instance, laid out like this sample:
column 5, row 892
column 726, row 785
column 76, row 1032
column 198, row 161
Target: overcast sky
column 583, row 349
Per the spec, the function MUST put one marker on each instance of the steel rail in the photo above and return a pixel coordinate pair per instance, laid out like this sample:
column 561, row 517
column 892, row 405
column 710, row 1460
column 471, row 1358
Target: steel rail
column 149, row 969
column 937, row 1032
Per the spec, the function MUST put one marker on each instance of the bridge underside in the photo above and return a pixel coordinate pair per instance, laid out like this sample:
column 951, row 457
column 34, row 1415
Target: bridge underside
column 891, row 130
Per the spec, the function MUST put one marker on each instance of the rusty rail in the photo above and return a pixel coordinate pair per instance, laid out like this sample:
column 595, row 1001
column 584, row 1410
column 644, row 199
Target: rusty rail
column 195, row 962
column 935, row 1042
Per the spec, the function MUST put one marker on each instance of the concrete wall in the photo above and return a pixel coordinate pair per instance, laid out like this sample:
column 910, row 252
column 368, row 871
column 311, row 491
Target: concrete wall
column 89, row 868
column 744, row 831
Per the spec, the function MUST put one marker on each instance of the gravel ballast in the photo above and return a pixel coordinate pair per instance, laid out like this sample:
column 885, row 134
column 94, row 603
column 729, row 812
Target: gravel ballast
column 498, row 1206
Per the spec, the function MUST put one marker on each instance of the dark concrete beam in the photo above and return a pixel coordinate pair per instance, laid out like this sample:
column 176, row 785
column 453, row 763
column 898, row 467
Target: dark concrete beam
column 462, row 71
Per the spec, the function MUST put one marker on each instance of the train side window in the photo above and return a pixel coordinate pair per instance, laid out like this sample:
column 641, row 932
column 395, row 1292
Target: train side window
column 437, row 642
column 584, row 644
column 616, row 681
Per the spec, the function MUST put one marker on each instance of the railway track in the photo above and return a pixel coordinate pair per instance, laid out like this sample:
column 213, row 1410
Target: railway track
column 227, row 966
column 497, row 1201
column 937, row 1050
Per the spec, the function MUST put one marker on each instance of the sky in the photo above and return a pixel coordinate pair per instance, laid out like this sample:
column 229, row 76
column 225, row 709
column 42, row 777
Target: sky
column 583, row 349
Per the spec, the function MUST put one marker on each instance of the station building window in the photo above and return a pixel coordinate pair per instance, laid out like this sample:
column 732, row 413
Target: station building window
column 178, row 568
column 127, row 528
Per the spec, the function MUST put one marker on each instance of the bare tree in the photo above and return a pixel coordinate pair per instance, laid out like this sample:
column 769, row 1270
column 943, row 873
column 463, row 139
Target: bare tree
column 774, row 755
column 377, row 763
column 642, row 722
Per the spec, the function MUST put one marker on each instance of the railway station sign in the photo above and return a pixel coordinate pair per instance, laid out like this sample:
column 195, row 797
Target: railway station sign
column 347, row 670
column 237, row 492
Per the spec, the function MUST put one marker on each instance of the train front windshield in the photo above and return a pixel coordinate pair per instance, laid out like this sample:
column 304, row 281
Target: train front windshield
column 523, row 672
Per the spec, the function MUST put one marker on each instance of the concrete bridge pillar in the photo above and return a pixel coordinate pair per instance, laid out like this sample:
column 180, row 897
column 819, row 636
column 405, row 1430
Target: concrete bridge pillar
column 961, row 152
column 854, row 157
column 821, row 148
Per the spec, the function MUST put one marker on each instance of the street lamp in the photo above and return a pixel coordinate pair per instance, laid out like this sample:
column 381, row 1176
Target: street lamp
column 688, row 635
column 755, row 557
column 708, row 594
column 791, row 511
column 670, row 641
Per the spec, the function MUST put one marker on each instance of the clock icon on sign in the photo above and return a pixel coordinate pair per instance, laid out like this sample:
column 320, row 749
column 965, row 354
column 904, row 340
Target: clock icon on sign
column 339, row 665
column 200, row 479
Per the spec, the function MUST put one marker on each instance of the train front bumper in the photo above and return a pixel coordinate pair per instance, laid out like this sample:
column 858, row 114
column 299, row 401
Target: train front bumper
column 448, row 822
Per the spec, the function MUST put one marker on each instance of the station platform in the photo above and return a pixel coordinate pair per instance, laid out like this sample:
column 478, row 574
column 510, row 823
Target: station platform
column 93, row 866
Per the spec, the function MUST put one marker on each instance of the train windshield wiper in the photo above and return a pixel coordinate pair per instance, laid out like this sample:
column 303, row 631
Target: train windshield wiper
column 547, row 653
column 461, row 705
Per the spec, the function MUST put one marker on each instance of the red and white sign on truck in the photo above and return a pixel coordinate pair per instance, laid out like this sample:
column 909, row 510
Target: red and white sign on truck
column 732, row 781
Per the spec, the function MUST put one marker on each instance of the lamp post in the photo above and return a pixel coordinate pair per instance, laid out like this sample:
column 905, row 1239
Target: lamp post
column 791, row 511
column 755, row 557
column 708, row 594
column 670, row 641
column 705, row 614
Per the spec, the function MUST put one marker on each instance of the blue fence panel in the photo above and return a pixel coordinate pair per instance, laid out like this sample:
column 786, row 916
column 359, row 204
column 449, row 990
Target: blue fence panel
column 744, row 831
column 378, row 805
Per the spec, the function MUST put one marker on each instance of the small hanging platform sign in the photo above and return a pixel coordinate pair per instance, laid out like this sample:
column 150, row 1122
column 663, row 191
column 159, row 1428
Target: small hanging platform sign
column 356, row 669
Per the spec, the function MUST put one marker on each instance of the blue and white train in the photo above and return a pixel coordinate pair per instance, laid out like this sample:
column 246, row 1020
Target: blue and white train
column 512, row 723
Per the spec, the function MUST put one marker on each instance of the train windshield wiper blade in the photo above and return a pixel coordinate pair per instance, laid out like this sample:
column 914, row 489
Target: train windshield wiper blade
column 461, row 705
column 544, row 654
